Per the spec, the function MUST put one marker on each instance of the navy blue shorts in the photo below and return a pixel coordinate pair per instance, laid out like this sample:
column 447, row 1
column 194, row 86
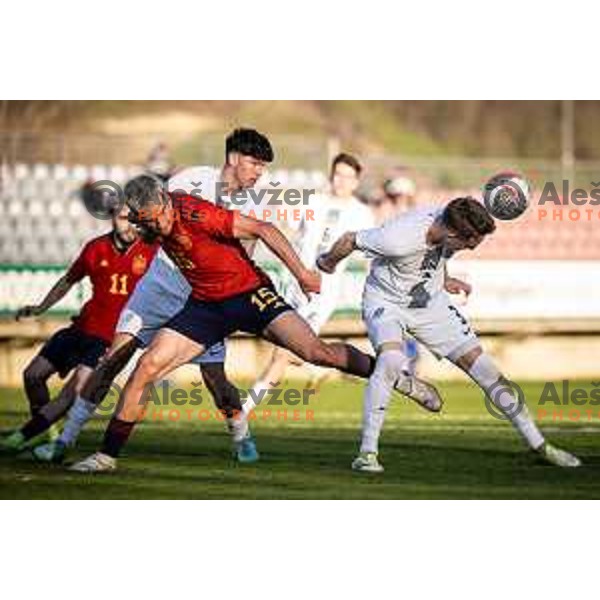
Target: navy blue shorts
column 70, row 347
column 210, row 322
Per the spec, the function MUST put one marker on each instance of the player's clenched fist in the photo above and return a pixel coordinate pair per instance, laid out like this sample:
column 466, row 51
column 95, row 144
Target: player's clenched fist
column 325, row 263
column 310, row 282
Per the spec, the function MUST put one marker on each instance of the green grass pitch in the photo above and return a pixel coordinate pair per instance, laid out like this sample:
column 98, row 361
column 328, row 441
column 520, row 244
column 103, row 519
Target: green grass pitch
column 462, row 453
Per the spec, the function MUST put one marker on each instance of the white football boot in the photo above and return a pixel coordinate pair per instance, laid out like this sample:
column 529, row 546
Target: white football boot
column 420, row 391
column 558, row 457
column 95, row 463
column 367, row 462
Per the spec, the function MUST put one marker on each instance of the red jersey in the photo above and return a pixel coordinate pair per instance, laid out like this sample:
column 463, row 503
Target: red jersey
column 202, row 245
column 114, row 275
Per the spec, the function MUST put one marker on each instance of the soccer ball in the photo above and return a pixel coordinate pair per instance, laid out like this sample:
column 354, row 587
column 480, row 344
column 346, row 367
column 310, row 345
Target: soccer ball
column 506, row 196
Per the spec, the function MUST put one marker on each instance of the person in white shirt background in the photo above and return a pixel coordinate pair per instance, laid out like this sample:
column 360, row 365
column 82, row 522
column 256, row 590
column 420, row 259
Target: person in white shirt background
column 335, row 211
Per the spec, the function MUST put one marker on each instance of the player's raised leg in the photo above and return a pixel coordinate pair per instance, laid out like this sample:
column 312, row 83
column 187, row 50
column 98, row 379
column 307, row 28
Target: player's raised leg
column 168, row 350
column 273, row 374
column 290, row 331
column 482, row 369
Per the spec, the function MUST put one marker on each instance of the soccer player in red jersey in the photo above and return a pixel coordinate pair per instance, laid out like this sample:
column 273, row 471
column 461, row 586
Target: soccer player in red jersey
column 114, row 262
column 229, row 293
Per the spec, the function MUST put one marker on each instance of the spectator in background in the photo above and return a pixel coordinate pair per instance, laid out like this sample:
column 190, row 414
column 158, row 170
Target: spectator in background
column 400, row 195
column 159, row 160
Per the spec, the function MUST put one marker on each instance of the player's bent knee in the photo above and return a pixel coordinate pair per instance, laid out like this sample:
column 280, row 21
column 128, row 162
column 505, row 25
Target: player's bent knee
column 484, row 371
column 34, row 374
column 467, row 360
column 148, row 367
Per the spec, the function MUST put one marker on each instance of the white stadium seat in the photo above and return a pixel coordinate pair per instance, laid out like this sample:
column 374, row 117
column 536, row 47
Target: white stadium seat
column 56, row 208
column 117, row 173
column 60, row 172
column 36, row 208
column 98, row 173
column 41, row 171
column 281, row 176
column 75, row 208
column 79, row 173
column 22, row 171
column 15, row 208
column 298, row 178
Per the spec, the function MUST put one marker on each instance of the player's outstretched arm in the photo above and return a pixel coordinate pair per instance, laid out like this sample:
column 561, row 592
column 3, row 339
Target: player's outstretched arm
column 56, row 294
column 247, row 228
column 342, row 248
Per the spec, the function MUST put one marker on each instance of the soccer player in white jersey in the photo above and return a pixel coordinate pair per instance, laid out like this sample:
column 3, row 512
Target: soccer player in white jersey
column 333, row 213
column 406, row 292
column 163, row 292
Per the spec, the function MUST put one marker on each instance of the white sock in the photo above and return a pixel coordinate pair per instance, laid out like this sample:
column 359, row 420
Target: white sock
column 255, row 396
column 79, row 414
column 485, row 373
column 388, row 369
column 238, row 427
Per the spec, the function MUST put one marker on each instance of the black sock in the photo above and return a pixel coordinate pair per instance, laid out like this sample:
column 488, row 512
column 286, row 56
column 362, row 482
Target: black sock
column 116, row 436
column 36, row 425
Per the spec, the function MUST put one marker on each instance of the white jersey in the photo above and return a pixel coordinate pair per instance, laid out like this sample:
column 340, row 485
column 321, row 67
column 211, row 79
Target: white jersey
column 405, row 270
column 404, row 292
column 332, row 218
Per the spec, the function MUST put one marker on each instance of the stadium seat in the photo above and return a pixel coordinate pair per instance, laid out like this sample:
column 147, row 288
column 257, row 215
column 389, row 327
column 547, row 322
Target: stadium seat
column 79, row 173
column 60, row 172
column 281, row 176
column 41, row 171
column 298, row 178
column 21, row 171
column 75, row 208
column 56, row 208
column 98, row 173
column 117, row 173
column 15, row 208
column 35, row 208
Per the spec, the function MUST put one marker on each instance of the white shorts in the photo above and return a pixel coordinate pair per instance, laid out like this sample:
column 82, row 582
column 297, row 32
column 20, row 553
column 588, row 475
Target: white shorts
column 144, row 316
column 316, row 311
column 440, row 326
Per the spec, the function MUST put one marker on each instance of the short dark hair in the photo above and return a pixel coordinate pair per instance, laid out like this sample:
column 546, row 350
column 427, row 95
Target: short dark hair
column 468, row 217
column 249, row 142
column 347, row 159
column 143, row 192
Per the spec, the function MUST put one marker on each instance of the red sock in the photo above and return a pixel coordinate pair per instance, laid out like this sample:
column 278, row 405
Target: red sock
column 116, row 436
